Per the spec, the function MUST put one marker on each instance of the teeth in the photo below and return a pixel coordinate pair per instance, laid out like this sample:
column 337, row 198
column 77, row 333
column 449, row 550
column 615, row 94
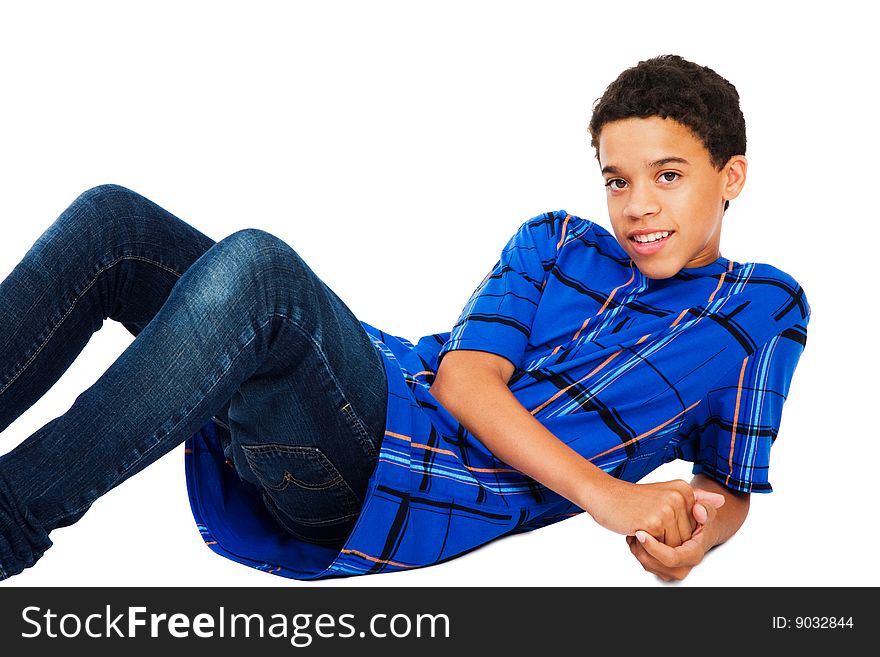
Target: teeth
column 650, row 237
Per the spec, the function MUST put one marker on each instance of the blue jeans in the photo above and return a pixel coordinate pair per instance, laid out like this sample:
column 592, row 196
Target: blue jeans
column 241, row 331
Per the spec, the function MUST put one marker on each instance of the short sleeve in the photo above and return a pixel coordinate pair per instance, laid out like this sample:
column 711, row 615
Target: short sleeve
column 743, row 415
column 499, row 314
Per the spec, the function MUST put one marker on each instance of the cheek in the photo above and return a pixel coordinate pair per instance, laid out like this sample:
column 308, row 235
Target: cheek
column 615, row 204
column 704, row 197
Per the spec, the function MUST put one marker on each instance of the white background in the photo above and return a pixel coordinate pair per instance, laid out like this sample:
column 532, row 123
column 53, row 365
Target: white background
column 397, row 146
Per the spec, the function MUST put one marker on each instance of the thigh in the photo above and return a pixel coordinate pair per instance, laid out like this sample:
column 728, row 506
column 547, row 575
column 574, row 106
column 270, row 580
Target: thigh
column 307, row 427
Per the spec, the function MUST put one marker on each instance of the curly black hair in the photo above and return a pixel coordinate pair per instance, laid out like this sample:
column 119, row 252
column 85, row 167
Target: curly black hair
column 671, row 87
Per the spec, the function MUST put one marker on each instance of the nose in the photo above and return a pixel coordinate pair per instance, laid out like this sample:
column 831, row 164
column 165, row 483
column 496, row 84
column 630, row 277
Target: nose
column 641, row 202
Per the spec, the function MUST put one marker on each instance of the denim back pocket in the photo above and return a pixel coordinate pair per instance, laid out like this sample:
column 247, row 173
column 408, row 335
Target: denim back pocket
column 303, row 490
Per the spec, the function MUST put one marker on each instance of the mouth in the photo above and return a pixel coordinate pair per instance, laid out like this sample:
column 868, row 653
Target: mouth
column 647, row 248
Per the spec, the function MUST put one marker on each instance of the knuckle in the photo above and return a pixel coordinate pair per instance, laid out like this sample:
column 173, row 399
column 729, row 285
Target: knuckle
column 684, row 489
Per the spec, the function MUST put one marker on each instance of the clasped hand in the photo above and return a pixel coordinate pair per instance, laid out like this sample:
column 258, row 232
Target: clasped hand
column 664, row 523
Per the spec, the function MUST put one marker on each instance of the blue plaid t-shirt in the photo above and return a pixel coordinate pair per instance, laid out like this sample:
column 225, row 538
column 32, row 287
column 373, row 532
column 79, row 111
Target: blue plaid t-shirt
column 628, row 371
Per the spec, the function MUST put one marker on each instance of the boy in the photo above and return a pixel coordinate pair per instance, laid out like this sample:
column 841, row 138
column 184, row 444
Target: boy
column 670, row 141
column 581, row 362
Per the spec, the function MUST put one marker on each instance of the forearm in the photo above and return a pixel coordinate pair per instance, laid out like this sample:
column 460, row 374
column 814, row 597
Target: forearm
column 731, row 515
column 487, row 408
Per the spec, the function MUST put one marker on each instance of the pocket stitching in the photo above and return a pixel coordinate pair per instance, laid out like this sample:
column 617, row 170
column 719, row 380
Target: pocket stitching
column 337, row 480
column 313, row 453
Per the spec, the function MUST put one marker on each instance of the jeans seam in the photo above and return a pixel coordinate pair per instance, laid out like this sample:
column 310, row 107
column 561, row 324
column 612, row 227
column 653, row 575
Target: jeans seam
column 73, row 305
column 348, row 410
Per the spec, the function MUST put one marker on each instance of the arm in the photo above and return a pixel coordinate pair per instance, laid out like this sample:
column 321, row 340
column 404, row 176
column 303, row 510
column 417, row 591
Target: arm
column 472, row 386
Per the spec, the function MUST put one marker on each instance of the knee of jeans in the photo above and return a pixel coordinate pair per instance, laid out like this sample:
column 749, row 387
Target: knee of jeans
column 100, row 213
column 106, row 198
column 258, row 247
column 267, row 264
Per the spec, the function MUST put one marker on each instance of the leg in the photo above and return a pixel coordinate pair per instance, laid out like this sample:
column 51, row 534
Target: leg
column 306, row 427
column 112, row 253
column 240, row 312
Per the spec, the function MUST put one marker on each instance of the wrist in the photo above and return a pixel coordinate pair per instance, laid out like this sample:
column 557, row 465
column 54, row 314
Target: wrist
column 594, row 487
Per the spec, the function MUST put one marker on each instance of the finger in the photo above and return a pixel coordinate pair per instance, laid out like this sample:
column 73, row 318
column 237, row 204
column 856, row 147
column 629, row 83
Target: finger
column 672, row 534
column 668, row 556
column 633, row 544
column 710, row 513
column 684, row 527
column 663, row 553
column 649, row 563
column 715, row 499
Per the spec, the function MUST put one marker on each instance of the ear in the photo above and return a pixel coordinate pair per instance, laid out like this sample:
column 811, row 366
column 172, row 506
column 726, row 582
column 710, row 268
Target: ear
column 734, row 176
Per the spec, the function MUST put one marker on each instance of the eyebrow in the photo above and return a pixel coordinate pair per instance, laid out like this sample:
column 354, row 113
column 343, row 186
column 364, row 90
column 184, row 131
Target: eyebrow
column 651, row 165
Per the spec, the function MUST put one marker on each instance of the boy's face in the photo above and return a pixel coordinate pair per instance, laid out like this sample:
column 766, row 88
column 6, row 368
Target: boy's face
column 659, row 178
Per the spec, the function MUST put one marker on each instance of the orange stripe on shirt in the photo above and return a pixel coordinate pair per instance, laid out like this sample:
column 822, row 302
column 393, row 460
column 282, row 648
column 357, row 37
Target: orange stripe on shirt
column 562, row 238
column 603, row 364
column 490, row 469
column 739, row 386
column 632, row 277
column 583, row 326
column 439, row 450
column 562, row 392
column 434, row 474
column 720, row 282
column 375, row 560
column 574, row 337
column 646, row 434
column 678, row 319
column 432, row 449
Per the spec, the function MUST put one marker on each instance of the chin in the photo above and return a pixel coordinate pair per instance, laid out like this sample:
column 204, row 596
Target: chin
column 658, row 271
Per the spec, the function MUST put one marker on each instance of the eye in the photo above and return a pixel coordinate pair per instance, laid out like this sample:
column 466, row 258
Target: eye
column 613, row 184
column 665, row 176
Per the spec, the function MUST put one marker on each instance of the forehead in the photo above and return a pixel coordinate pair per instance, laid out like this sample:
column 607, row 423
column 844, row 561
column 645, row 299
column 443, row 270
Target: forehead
column 636, row 142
